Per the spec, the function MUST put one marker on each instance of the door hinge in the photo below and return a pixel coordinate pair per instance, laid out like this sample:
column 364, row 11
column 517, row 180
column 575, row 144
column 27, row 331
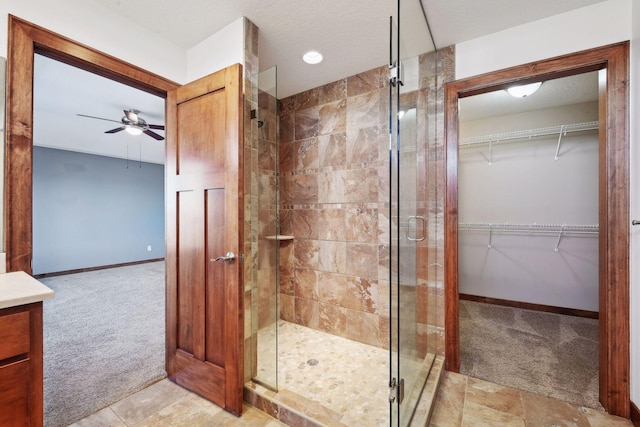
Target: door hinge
column 396, row 391
column 240, row 258
column 396, row 74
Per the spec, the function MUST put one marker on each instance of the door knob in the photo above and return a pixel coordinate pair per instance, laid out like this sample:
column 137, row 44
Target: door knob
column 229, row 257
column 635, row 222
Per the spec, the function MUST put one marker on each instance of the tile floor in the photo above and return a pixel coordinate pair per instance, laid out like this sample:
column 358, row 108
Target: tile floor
column 462, row 402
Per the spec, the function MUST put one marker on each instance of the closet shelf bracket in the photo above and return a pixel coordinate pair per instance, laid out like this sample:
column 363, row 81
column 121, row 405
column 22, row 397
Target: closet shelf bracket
column 562, row 133
column 560, row 237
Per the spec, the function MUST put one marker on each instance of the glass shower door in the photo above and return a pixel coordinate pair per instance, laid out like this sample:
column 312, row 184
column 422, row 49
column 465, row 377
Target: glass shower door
column 412, row 130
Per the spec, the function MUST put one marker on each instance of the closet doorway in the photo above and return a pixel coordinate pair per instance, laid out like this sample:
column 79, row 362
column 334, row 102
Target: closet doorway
column 528, row 237
column 611, row 63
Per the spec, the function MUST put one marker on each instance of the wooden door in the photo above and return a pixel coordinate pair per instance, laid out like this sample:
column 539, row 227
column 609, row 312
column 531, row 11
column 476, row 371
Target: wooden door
column 204, row 220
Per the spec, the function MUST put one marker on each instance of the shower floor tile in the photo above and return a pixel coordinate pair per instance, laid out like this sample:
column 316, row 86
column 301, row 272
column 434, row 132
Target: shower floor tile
column 342, row 375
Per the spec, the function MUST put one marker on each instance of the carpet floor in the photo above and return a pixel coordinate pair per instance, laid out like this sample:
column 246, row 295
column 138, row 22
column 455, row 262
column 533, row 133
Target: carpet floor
column 550, row 354
column 104, row 335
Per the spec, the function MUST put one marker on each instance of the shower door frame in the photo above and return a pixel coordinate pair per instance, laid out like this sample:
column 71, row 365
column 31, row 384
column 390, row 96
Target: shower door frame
column 614, row 331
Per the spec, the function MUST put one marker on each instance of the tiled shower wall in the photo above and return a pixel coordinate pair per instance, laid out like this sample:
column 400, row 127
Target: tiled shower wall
column 334, row 199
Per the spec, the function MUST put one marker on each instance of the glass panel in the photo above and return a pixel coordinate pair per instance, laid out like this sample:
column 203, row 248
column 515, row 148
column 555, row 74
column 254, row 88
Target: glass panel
column 264, row 299
column 412, row 141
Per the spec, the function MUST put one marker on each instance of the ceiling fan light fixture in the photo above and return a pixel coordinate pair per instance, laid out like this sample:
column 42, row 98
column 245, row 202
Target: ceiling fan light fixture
column 522, row 91
column 312, row 57
column 133, row 130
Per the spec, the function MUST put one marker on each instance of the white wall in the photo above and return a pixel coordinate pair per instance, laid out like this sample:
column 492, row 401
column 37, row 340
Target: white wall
column 524, row 184
column 98, row 27
column 593, row 26
column 634, row 259
column 224, row 48
column 585, row 28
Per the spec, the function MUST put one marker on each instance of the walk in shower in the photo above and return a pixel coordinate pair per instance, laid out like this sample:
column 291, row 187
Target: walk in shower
column 346, row 239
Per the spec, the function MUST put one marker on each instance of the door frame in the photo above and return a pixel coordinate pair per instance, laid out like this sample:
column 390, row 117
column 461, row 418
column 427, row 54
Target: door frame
column 614, row 333
column 25, row 40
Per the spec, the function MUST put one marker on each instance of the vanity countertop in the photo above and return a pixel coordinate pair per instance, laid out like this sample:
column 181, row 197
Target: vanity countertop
column 19, row 288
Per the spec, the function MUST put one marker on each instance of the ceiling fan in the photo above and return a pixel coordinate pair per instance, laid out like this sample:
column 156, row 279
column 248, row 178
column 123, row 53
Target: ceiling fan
column 133, row 124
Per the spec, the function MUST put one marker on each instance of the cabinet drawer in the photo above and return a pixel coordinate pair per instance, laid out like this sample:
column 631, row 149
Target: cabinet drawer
column 14, row 394
column 14, row 334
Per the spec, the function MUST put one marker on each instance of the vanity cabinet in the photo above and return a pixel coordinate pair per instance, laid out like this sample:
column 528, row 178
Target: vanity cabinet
column 21, row 372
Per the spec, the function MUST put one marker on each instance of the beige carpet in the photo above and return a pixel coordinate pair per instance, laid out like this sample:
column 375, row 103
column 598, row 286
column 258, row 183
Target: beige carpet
column 545, row 353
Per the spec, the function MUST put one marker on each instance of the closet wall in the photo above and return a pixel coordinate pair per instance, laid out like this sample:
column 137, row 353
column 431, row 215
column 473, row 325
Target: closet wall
column 514, row 199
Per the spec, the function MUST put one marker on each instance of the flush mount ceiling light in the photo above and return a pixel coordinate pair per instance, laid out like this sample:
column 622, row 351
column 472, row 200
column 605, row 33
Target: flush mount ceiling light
column 312, row 57
column 522, row 91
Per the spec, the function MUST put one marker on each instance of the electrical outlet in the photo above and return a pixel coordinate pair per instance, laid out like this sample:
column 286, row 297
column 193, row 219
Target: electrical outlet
column 148, row 248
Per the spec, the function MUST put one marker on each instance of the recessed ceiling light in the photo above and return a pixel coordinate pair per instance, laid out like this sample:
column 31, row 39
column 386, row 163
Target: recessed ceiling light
column 522, row 91
column 312, row 57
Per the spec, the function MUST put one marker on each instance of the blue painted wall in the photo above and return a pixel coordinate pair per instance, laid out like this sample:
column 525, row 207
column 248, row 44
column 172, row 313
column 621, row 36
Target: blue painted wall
column 91, row 211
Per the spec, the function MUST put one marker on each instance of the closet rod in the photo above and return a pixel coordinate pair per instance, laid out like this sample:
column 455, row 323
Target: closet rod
column 526, row 135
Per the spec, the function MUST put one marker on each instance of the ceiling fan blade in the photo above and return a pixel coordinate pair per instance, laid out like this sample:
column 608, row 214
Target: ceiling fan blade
column 152, row 134
column 133, row 117
column 159, row 127
column 99, row 118
column 121, row 128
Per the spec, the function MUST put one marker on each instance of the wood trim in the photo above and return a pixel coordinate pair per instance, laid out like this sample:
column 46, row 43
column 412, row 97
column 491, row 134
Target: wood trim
column 102, row 267
column 614, row 206
column 530, row 306
column 25, row 40
column 635, row 414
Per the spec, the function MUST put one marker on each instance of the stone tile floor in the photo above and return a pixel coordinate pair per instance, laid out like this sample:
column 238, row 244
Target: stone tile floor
column 461, row 402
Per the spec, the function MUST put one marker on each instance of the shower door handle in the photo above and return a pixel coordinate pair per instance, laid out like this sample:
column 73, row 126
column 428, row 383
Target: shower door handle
column 423, row 234
column 229, row 258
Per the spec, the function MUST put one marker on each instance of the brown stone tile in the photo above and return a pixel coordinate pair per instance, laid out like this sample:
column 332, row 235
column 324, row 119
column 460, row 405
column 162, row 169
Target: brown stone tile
column 332, row 117
column 331, row 288
column 363, row 144
column 332, row 149
column 362, row 111
column 364, row 82
column 306, row 254
column 299, row 189
column 602, row 419
column 449, row 403
column 305, row 223
column 332, row 187
column 103, row 418
column 475, row 415
column 333, row 256
column 287, row 105
column 306, row 284
column 542, row 411
column 306, row 123
column 362, row 260
column 307, row 154
column 332, row 319
column 361, row 185
column 494, row 396
column 186, row 412
column 363, row 327
column 361, row 294
column 287, row 308
column 331, row 224
column 147, row 402
column 286, row 127
column 332, row 91
column 287, row 157
column 306, row 99
column 362, row 224
column 307, row 312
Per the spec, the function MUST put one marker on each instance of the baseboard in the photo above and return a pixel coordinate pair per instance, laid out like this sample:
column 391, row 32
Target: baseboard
column 530, row 306
column 635, row 415
column 102, row 267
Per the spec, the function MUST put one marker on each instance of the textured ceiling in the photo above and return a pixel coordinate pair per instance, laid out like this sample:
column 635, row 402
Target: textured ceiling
column 353, row 37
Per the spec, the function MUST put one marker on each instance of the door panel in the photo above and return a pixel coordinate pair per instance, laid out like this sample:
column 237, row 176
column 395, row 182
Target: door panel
column 204, row 217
